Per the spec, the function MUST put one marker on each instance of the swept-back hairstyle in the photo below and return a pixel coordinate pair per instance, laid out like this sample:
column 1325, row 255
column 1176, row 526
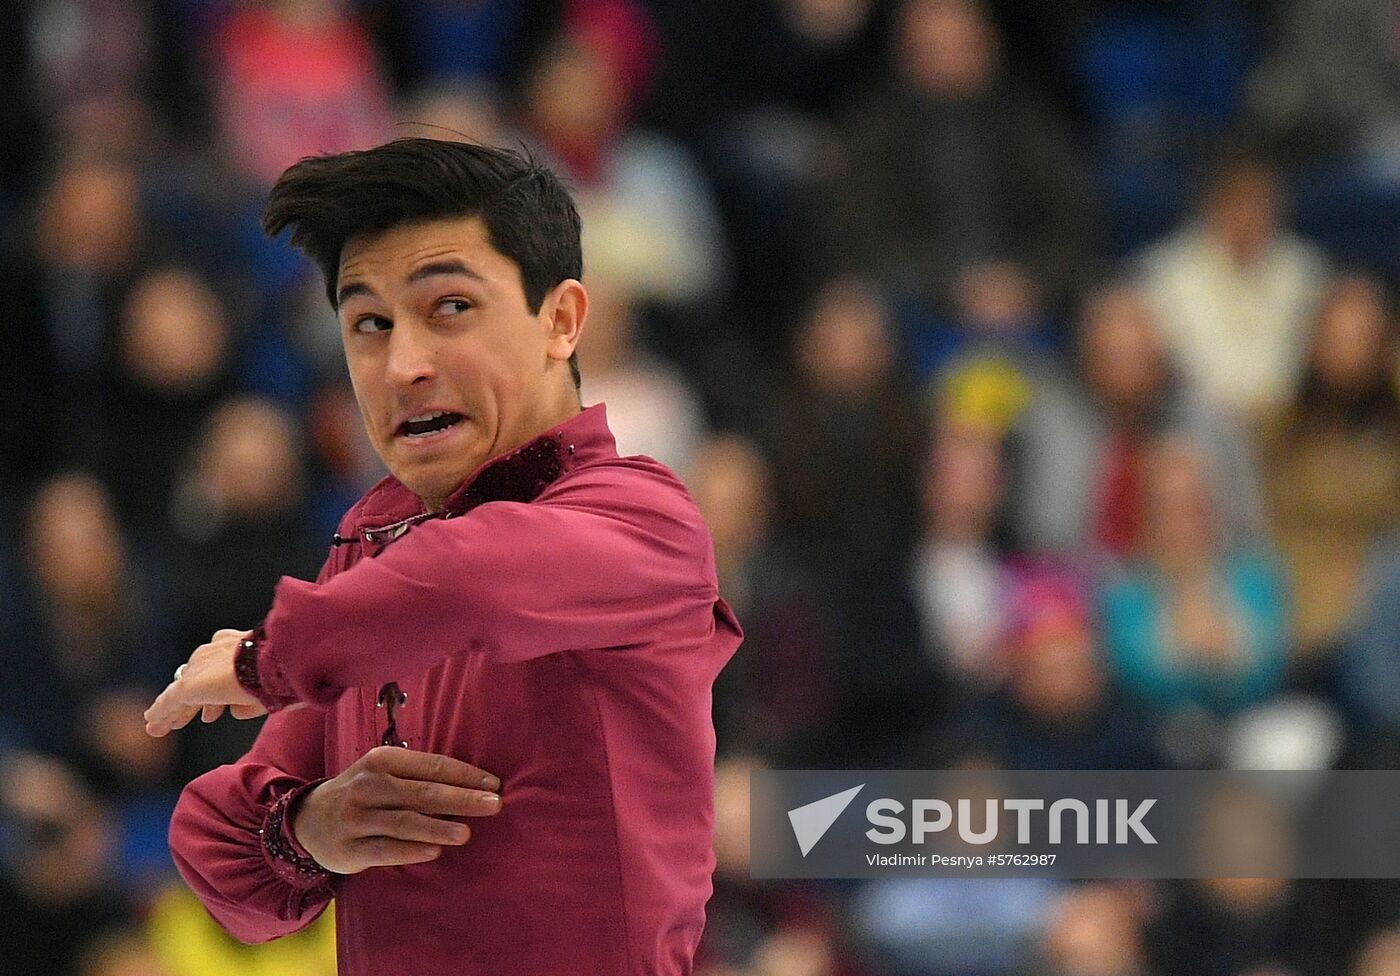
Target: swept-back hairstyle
column 530, row 218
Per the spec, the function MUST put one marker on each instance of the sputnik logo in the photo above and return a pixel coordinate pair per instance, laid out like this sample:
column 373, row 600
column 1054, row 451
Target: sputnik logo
column 811, row 822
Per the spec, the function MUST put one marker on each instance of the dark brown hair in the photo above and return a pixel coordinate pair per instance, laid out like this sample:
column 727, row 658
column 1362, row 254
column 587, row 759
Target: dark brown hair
column 530, row 218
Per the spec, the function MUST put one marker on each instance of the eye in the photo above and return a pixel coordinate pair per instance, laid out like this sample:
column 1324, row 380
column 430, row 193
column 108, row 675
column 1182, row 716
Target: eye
column 372, row 323
column 452, row 306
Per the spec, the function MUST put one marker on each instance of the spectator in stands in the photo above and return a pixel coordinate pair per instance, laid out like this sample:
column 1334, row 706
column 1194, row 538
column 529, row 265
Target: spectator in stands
column 88, row 238
column 732, row 484
column 98, row 643
column 1197, row 621
column 91, row 49
column 961, row 575
column 1095, row 930
column 240, row 519
column 1234, row 288
column 761, row 135
column 1082, row 443
column 972, row 170
column 1380, row 956
column 1331, row 459
column 345, row 463
column 1314, row 103
column 1334, row 117
column 1252, row 926
column 855, row 484
column 997, row 319
column 846, row 445
column 57, row 873
column 97, row 66
column 649, row 220
column 1058, row 708
column 775, row 692
column 651, row 409
column 171, row 369
column 295, row 78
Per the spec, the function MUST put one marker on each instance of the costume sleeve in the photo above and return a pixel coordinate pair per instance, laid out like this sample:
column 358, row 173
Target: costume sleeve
column 602, row 564
column 231, row 839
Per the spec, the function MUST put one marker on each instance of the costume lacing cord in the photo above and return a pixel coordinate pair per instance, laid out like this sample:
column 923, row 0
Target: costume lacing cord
column 391, row 699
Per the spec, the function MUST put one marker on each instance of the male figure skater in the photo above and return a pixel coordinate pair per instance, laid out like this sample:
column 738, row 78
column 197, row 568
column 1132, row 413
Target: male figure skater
column 518, row 626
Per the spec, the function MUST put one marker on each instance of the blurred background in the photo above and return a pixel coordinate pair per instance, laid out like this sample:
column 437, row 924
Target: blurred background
column 1034, row 362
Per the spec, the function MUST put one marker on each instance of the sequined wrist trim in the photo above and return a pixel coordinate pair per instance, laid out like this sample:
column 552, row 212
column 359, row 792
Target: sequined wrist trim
column 246, row 667
column 288, row 860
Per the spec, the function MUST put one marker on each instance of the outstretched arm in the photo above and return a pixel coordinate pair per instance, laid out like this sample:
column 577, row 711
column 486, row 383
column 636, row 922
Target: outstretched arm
column 596, row 565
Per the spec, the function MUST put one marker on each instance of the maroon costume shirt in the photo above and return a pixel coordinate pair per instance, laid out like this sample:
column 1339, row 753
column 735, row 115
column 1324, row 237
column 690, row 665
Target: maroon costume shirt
column 561, row 627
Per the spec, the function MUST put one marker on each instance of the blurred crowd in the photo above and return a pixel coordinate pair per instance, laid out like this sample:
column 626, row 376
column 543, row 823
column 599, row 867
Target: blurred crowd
column 1034, row 362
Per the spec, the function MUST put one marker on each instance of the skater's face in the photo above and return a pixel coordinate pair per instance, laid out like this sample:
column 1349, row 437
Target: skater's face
column 450, row 366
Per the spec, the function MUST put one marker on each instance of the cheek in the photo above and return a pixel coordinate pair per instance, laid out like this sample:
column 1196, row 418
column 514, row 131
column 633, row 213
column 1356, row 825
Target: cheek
column 372, row 409
column 469, row 374
column 501, row 367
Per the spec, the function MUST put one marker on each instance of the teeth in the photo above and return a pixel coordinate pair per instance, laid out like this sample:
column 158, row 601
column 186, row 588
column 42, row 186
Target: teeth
column 437, row 421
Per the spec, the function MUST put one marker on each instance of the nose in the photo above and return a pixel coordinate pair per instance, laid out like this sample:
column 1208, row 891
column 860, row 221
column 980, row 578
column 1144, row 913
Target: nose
column 410, row 354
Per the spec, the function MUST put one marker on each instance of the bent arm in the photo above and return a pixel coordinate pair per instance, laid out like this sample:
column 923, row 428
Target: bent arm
column 595, row 566
column 230, row 841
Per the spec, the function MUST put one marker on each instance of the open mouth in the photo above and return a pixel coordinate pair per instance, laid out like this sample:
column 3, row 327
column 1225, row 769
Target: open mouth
column 429, row 423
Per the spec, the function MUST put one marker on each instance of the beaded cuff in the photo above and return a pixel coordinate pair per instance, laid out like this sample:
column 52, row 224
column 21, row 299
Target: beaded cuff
column 246, row 664
column 287, row 858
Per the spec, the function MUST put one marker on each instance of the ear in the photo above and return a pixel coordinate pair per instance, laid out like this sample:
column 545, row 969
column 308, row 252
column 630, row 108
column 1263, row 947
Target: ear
column 563, row 313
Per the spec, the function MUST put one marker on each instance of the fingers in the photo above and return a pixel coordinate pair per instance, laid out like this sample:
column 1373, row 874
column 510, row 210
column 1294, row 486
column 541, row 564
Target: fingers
column 212, row 713
column 382, row 851
column 410, row 826
column 429, row 766
column 168, row 713
column 163, row 721
column 228, row 632
column 438, row 799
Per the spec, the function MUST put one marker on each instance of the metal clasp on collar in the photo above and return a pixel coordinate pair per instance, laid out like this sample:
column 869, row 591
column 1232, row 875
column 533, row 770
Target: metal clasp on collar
column 385, row 534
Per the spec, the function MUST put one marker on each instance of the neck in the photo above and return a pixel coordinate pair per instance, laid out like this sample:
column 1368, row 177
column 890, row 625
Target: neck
column 563, row 406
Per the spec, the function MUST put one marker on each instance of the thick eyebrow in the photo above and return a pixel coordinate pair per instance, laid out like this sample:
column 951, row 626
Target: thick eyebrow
column 351, row 291
column 450, row 266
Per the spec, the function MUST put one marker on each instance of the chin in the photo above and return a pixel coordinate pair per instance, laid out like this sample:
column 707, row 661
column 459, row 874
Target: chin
column 434, row 470
column 438, row 488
